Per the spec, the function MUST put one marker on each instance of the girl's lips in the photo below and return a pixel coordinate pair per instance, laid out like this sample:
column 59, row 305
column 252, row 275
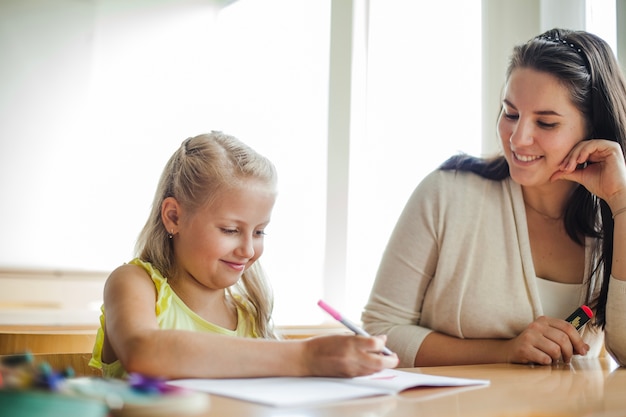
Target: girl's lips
column 235, row 265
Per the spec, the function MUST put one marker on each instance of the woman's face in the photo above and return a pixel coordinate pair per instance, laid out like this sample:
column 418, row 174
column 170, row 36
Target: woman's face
column 538, row 125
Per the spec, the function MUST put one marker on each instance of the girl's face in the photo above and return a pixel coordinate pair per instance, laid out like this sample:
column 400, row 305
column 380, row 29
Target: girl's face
column 538, row 125
column 219, row 241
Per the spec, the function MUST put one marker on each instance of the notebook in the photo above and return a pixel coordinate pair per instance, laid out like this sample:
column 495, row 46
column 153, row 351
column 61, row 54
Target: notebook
column 300, row 391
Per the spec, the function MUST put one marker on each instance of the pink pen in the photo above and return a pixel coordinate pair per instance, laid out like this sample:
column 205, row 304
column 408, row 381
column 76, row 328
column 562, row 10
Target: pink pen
column 347, row 323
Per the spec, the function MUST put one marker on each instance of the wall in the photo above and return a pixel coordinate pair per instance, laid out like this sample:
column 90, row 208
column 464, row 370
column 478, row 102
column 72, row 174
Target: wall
column 49, row 297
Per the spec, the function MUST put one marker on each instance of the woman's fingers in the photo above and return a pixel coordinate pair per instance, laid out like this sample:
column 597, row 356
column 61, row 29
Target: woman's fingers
column 596, row 164
column 547, row 340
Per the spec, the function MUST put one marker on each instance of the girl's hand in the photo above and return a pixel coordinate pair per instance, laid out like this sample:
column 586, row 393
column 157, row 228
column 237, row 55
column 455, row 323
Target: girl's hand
column 605, row 173
column 346, row 356
column 546, row 341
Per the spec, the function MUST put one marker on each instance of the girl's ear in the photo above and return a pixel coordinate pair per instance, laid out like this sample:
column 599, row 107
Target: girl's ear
column 170, row 212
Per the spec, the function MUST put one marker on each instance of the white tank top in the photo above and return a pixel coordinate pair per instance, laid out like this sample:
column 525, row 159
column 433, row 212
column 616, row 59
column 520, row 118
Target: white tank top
column 558, row 299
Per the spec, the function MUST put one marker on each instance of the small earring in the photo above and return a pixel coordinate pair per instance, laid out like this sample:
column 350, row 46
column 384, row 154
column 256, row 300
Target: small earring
column 170, row 235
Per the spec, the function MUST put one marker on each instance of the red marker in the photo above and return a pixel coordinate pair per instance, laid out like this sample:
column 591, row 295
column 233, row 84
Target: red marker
column 580, row 317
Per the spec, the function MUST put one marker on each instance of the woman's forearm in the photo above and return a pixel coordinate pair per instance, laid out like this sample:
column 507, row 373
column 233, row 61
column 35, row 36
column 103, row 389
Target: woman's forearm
column 438, row 349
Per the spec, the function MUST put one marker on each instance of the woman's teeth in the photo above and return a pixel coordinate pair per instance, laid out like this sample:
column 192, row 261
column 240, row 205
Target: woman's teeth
column 526, row 158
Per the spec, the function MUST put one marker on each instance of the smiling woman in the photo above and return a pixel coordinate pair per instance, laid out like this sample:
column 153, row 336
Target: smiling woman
column 473, row 230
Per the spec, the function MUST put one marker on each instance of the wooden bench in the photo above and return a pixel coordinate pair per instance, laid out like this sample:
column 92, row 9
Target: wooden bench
column 46, row 339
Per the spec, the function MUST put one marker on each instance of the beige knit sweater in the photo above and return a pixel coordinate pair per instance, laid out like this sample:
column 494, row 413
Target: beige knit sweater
column 459, row 262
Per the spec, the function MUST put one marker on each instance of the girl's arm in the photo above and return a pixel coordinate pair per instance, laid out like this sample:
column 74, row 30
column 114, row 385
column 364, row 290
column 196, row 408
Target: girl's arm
column 132, row 335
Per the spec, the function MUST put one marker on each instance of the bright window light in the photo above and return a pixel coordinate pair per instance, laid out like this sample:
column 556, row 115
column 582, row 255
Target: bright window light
column 601, row 20
column 93, row 108
column 423, row 105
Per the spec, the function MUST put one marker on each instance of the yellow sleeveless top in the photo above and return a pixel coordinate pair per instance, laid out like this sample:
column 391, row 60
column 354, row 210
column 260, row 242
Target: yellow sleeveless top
column 172, row 313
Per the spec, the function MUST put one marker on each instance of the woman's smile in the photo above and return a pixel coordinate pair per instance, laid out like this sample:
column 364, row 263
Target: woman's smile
column 526, row 158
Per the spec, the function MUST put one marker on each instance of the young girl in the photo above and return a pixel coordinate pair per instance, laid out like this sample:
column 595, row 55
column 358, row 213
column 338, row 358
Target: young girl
column 194, row 303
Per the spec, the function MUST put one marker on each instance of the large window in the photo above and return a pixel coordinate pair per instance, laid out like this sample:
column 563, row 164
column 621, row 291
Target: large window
column 98, row 94
column 415, row 101
column 423, row 104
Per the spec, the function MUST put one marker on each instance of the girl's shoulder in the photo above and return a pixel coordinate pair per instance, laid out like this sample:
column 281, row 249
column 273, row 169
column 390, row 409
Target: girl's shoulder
column 132, row 275
column 148, row 268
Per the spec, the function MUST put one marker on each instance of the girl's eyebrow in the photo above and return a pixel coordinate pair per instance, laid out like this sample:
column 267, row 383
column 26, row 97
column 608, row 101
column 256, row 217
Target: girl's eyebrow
column 242, row 222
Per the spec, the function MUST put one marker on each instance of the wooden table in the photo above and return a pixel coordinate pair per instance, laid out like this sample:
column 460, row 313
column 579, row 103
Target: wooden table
column 586, row 388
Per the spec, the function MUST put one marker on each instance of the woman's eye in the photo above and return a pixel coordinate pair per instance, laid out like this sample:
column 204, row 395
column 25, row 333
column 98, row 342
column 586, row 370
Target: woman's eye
column 511, row 116
column 229, row 231
column 547, row 125
column 260, row 233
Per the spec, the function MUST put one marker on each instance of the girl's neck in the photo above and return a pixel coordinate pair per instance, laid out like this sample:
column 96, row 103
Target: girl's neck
column 195, row 295
column 212, row 305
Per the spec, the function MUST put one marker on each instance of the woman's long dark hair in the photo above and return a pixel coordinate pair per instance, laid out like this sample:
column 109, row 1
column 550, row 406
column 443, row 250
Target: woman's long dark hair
column 586, row 65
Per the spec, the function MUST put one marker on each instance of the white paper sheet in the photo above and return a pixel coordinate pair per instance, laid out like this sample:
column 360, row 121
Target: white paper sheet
column 290, row 392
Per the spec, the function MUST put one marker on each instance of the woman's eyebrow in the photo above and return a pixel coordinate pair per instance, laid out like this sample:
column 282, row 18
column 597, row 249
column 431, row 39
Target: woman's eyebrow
column 548, row 113
column 539, row 112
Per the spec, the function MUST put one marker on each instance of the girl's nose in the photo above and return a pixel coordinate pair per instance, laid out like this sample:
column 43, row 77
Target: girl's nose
column 246, row 247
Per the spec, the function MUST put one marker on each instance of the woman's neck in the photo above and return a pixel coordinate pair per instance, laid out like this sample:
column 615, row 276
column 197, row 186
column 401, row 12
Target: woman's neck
column 550, row 202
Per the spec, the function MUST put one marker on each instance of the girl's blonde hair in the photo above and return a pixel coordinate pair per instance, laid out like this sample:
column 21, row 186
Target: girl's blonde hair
column 196, row 173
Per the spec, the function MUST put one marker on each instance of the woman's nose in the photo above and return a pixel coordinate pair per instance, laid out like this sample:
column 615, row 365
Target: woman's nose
column 522, row 134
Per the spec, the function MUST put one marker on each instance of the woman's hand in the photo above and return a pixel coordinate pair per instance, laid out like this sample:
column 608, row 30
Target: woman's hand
column 604, row 174
column 346, row 356
column 545, row 341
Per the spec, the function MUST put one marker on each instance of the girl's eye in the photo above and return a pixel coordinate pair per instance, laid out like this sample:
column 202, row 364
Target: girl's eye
column 260, row 233
column 229, row 231
column 511, row 116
